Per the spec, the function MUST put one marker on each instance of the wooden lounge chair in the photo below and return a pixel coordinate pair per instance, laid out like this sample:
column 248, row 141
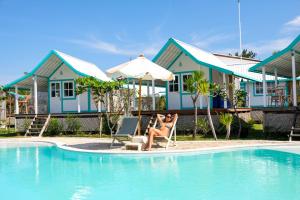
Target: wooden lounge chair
column 126, row 130
column 168, row 140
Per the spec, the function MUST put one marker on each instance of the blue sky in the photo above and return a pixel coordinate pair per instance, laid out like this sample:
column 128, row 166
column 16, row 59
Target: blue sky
column 110, row 32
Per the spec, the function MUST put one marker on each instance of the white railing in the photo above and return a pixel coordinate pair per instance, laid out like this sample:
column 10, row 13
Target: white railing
column 45, row 125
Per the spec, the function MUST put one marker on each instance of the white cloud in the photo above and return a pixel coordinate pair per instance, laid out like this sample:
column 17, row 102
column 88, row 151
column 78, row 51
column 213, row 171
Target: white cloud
column 294, row 22
column 207, row 40
column 292, row 26
column 262, row 48
column 111, row 48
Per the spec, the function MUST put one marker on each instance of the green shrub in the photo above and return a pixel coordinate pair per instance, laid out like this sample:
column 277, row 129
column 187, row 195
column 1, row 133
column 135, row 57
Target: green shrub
column 73, row 124
column 203, row 125
column 55, row 127
column 26, row 123
column 226, row 120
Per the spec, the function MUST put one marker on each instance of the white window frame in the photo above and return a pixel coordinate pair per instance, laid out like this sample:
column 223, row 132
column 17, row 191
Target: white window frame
column 63, row 89
column 173, row 84
column 182, row 82
column 55, row 89
column 270, row 87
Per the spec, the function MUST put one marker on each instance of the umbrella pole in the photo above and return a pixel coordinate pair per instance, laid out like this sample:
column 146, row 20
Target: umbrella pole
column 140, row 106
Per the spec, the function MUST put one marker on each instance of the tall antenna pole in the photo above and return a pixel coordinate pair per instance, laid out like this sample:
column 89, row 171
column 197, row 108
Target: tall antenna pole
column 240, row 28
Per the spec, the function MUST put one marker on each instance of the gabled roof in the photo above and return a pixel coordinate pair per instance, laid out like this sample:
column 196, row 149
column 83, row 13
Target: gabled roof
column 176, row 48
column 54, row 60
column 82, row 67
column 223, row 63
column 281, row 61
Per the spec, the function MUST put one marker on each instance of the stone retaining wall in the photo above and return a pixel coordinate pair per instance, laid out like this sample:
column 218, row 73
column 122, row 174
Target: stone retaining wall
column 278, row 122
column 185, row 123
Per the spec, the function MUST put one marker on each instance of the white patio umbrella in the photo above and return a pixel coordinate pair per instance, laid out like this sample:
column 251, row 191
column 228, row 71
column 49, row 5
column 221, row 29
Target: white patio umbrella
column 142, row 69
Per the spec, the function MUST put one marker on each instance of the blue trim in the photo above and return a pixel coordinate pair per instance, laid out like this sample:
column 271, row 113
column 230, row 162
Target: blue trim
column 167, row 96
column 170, row 65
column 32, row 73
column 174, row 42
column 210, row 81
column 89, row 99
column 63, row 88
column 49, row 93
column 180, row 91
column 55, row 70
column 275, row 56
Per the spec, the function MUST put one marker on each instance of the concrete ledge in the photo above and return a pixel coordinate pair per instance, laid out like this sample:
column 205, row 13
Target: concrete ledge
column 87, row 145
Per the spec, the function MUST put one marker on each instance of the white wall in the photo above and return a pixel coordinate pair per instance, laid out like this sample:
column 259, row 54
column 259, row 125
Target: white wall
column 2, row 110
column 69, row 105
column 180, row 100
column 257, row 100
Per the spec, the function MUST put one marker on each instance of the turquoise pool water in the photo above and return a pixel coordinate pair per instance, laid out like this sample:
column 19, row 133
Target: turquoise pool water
column 51, row 173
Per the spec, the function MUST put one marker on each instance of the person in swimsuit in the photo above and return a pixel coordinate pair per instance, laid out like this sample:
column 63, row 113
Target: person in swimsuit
column 164, row 130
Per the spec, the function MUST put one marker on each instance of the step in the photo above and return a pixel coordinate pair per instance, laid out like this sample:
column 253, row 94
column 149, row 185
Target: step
column 296, row 129
column 33, row 133
column 295, row 135
column 35, row 128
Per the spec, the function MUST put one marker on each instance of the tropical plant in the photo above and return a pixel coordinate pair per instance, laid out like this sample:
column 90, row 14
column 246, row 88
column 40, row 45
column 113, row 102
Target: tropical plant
column 26, row 123
column 207, row 89
column 203, row 125
column 162, row 103
column 55, row 127
column 226, row 120
column 238, row 99
column 193, row 87
column 73, row 124
column 104, row 92
column 196, row 86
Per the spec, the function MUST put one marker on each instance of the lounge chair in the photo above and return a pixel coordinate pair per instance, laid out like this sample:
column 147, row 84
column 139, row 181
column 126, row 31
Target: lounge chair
column 126, row 130
column 168, row 140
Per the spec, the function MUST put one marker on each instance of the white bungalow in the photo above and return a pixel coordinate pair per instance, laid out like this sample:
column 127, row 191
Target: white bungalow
column 284, row 63
column 182, row 59
column 52, row 84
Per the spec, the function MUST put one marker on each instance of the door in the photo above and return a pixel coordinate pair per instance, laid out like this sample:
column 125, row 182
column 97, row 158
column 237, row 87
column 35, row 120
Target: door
column 55, row 97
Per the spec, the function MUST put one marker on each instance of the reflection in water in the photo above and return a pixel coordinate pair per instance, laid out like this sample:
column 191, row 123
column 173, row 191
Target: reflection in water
column 37, row 165
column 57, row 174
column 81, row 193
column 18, row 155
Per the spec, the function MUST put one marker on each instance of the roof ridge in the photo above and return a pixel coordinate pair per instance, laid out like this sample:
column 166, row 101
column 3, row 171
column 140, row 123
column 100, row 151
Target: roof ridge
column 60, row 52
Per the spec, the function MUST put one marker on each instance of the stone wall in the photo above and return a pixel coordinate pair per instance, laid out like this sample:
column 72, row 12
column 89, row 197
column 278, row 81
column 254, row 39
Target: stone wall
column 278, row 122
column 90, row 123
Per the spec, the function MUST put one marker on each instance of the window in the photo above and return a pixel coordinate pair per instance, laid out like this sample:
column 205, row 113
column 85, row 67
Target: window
column 55, row 90
column 173, row 85
column 184, row 78
column 259, row 88
column 68, row 89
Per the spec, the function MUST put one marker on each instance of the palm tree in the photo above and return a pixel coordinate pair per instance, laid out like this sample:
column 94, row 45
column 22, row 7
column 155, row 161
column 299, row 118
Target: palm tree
column 226, row 120
column 193, row 83
column 196, row 86
column 205, row 90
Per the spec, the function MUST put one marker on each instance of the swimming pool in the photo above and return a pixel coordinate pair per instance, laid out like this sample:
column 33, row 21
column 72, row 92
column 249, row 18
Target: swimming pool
column 47, row 172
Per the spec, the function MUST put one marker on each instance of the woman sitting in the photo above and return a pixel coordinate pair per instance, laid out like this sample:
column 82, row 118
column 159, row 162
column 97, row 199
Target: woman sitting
column 164, row 130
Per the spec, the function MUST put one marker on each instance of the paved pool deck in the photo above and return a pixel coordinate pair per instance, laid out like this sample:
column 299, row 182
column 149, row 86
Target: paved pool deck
column 102, row 145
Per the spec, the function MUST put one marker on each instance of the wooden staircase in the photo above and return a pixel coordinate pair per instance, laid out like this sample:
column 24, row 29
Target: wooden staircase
column 38, row 125
column 295, row 130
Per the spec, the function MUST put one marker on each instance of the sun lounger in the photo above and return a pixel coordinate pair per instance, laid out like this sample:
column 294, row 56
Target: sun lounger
column 126, row 130
column 168, row 140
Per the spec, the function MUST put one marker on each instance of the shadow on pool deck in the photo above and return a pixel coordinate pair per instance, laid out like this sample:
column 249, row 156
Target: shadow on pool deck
column 96, row 146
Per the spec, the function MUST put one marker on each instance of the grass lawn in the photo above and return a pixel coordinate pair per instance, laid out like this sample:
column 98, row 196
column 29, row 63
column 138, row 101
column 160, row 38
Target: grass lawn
column 254, row 132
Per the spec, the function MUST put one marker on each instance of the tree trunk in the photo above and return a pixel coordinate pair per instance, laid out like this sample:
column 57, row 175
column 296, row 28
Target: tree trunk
column 210, row 120
column 195, row 120
column 228, row 132
column 239, row 121
column 100, row 124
